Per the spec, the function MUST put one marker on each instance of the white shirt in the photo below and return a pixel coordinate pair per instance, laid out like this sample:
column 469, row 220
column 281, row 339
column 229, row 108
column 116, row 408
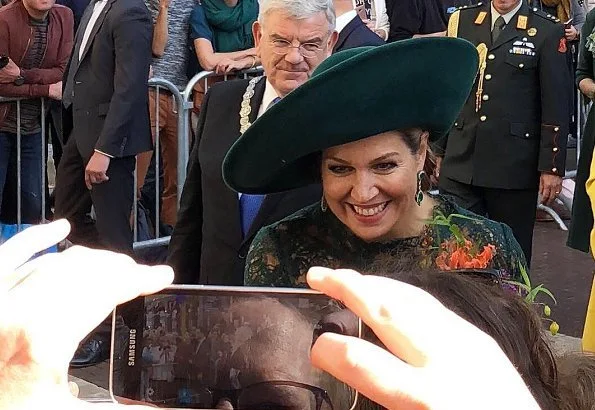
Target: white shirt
column 344, row 19
column 97, row 9
column 269, row 95
column 506, row 16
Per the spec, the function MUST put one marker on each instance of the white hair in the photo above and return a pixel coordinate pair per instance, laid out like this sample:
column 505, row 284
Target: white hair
column 299, row 9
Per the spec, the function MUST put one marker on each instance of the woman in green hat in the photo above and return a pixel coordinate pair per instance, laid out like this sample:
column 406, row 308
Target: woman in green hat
column 366, row 137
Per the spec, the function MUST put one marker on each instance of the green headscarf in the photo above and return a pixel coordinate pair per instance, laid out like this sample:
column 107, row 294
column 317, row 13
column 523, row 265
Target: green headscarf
column 232, row 26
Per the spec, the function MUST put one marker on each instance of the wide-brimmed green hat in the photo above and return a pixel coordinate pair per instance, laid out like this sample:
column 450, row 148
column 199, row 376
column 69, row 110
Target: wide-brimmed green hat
column 353, row 95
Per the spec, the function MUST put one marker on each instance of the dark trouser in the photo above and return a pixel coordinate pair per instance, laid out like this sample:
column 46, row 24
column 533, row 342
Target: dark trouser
column 112, row 201
column 30, row 178
column 514, row 207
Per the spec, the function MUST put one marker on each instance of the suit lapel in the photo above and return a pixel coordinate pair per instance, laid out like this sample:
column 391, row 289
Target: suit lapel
column 96, row 27
column 511, row 31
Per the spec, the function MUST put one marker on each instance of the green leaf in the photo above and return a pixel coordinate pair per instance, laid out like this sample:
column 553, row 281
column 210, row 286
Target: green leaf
column 459, row 216
column 550, row 294
column 524, row 274
column 534, row 292
column 456, row 231
column 518, row 284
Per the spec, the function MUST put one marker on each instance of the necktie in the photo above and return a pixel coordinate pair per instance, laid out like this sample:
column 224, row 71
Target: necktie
column 498, row 27
column 250, row 204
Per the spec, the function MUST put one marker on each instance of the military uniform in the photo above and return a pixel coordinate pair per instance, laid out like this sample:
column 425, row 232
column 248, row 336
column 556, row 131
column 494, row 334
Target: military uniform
column 514, row 124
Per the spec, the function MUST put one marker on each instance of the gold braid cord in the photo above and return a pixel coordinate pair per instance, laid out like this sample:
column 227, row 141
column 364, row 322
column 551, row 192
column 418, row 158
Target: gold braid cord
column 453, row 24
column 482, row 50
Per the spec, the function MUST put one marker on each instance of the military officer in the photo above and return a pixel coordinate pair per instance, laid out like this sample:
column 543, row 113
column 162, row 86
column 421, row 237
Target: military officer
column 508, row 144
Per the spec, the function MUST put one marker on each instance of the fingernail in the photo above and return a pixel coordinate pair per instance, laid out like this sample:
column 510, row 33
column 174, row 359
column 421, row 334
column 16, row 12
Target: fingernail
column 318, row 274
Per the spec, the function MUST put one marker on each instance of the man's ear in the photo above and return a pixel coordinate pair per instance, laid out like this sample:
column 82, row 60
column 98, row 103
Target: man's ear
column 332, row 41
column 257, row 34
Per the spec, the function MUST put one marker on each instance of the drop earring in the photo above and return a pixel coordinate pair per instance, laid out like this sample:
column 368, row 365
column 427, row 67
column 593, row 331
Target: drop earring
column 323, row 204
column 419, row 193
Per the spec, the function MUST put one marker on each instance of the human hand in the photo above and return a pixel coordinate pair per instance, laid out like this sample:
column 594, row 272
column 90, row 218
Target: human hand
column 550, row 186
column 56, row 91
column 434, row 359
column 228, row 65
column 10, row 72
column 571, row 33
column 45, row 312
column 96, row 170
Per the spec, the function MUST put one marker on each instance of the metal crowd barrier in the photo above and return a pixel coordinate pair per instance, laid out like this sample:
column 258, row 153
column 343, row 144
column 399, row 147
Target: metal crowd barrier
column 19, row 216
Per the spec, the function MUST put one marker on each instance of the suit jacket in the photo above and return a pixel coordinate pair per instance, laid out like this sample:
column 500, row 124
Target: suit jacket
column 110, row 110
column 521, row 127
column 356, row 34
column 207, row 246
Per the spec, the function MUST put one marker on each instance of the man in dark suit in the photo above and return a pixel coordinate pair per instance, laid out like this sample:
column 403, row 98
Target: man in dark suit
column 216, row 225
column 106, row 121
column 509, row 143
column 352, row 30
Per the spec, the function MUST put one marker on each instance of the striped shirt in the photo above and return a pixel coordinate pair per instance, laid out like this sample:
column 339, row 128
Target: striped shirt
column 30, row 109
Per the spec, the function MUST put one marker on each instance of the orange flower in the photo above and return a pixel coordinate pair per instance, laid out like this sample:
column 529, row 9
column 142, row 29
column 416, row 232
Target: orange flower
column 462, row 256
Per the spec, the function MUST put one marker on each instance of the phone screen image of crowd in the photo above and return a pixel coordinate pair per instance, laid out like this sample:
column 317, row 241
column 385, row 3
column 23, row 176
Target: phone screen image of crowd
column 236, row 352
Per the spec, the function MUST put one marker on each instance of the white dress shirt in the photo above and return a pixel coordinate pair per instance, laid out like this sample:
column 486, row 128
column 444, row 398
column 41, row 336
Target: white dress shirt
column 344, row 19
column 97, row 9
column 506, row 16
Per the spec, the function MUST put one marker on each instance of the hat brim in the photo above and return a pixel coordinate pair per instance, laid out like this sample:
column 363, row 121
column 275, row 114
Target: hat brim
column 420, row 83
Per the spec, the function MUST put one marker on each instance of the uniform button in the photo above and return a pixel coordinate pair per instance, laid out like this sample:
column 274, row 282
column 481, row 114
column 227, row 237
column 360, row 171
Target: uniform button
column 456, row 124
column 488, row 76
column 527, row 135
column 491, row 57
column 521, row 65
column 485, row 97
column 534, row 8
column 555, row 149
column 483, row 118
column 556, row 129
column 554, row 169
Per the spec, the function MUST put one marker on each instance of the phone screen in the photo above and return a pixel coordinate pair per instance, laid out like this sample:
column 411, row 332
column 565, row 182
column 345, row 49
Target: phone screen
column 225, row 348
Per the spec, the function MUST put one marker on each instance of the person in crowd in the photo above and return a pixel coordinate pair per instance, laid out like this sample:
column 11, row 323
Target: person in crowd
column 376, row 17
column 374, row 159
column 170, row 51
column 571, row 11
column 36, row 39
column 231, row 21
column 106, row 123
column 395, row 375
column 415, row 18
column 582, row 215
column 508, row 145
column 352, row 30
column 216, row 225
column 204, row 56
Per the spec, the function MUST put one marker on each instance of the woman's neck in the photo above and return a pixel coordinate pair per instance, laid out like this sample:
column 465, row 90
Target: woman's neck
column 413, row 223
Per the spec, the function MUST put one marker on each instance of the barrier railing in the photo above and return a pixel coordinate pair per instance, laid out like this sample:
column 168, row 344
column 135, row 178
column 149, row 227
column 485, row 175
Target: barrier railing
column 19, row 134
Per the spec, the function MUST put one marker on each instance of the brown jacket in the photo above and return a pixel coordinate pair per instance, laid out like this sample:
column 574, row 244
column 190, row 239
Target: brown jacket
column 18, row 32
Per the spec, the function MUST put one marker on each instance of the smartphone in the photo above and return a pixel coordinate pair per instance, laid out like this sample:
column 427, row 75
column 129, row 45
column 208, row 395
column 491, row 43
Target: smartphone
column 209, row 347
column 568, row 24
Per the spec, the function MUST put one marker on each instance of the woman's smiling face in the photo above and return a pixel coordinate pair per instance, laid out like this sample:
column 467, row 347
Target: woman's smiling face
column 370, row 184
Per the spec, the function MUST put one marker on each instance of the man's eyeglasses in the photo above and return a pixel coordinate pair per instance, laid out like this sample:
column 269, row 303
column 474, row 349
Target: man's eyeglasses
column 269, row 395
column 307, row 50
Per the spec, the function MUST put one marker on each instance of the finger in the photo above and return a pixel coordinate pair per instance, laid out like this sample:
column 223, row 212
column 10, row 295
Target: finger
column 370, row 370
column 541, row 187
column 20, row 248
column 393, row 310
column 104, row 177
column 545, row 197
column 58, row 285
column 88, row 180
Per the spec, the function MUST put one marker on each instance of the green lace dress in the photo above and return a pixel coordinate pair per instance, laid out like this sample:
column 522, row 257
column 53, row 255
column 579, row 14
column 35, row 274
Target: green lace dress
column 282, row 253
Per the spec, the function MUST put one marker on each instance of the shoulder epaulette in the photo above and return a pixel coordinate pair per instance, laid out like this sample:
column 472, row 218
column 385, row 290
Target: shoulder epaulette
column 544, row 15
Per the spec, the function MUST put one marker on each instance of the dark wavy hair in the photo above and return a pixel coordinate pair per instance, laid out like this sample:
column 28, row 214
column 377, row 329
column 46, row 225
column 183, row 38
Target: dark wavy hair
column 515, row 326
